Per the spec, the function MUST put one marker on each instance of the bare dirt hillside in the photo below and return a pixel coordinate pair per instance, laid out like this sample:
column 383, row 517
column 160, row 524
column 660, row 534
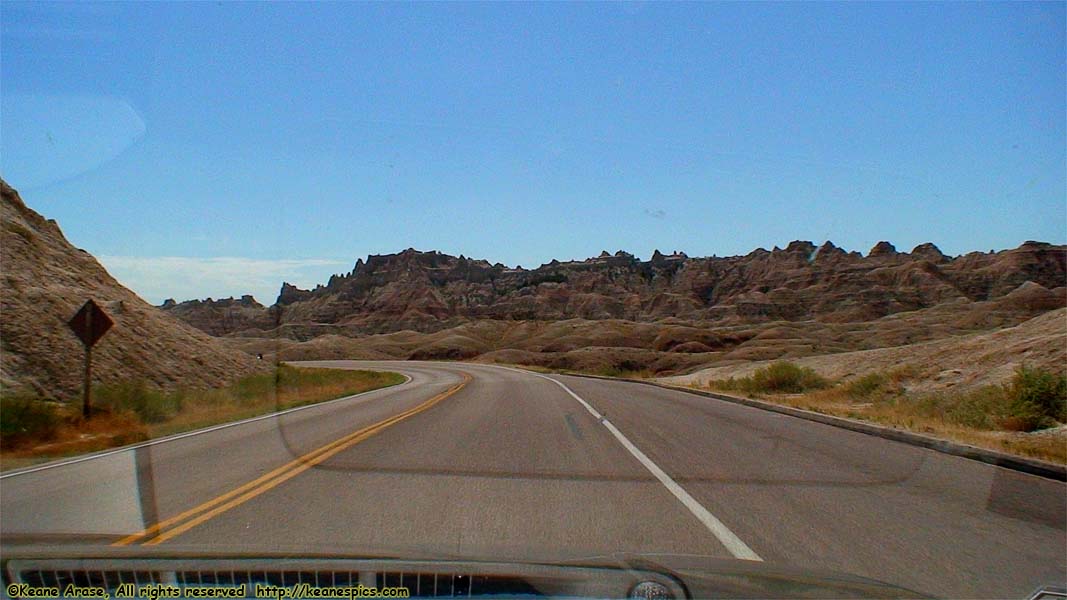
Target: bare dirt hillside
column 667, row 347
column 45, row 280
column 959, row 362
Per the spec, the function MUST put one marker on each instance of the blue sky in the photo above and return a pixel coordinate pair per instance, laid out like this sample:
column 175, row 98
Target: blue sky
column 215, row 149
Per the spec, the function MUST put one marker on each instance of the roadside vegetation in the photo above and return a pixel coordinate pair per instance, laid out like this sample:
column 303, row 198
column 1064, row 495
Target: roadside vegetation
column 1015, row 417
column 777, row 378
column 624, row 373
column 131, row 411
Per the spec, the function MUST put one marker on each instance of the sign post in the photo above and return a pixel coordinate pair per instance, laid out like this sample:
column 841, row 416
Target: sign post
column 90, row 324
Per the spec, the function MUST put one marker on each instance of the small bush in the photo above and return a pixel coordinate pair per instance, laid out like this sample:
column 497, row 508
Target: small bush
column 150, row 405
column 787, row 378
column 626, row 373
column 867, row 386
column 777, row 378
column 24, row 417
column 1040, row 392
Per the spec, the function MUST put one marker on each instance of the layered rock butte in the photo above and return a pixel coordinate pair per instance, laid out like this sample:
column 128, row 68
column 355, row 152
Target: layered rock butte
column 430, row 291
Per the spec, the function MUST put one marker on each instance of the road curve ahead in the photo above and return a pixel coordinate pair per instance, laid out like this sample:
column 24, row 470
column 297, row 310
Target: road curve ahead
column 479, row 461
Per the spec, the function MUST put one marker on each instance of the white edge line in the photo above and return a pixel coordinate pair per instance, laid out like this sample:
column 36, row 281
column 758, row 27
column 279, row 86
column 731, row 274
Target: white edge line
column 721, row 532
column 179, row 436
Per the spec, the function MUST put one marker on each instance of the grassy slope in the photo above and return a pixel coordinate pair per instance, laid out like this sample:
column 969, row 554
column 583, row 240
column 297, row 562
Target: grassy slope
column 1005, row 417
column 132, row 412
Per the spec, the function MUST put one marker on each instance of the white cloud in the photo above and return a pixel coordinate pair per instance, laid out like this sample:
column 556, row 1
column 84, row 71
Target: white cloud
column 156, row 278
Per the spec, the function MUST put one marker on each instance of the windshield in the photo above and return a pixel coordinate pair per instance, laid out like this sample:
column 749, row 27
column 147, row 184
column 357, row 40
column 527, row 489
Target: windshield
column 758, row 299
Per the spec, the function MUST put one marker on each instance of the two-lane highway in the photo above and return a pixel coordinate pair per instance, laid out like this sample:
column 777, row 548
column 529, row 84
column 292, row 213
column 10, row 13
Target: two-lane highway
column 479, row 461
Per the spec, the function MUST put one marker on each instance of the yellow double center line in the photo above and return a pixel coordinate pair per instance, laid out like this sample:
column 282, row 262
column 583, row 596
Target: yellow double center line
column 178, row 524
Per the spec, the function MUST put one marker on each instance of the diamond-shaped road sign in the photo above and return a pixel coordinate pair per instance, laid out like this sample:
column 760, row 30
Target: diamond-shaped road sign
column 90, row 323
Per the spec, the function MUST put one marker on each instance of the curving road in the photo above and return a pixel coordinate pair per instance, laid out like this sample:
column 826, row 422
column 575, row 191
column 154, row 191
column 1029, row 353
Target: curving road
column 468, row 460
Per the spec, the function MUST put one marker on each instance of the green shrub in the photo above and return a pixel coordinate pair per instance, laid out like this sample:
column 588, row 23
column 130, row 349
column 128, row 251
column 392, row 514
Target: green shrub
column 1040, row 392
column 1025, row 416
column 787, row 378
column 150, row 405
column 780, row 378
column 625, row 373
column 24, row 416
column 867, row 386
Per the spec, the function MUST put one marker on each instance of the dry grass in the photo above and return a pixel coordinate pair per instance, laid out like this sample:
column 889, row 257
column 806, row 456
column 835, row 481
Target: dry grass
column 288, row 387
column 623, row 373
column 994, row 417
column 131, row 412
column 74, row 436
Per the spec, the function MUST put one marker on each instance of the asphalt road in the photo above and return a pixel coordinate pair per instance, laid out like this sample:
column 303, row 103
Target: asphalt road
column 477, row 461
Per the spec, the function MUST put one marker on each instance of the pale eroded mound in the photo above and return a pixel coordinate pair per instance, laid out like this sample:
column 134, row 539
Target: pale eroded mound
column 45, row 280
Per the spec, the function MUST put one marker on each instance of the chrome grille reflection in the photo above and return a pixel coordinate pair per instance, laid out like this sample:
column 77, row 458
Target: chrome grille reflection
column 419, row 585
